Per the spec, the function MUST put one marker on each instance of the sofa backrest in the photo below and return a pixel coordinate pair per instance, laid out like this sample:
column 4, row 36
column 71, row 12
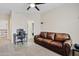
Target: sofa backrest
column 51, row 35
column 48, row 35
column 43, row 34
column 62, row 37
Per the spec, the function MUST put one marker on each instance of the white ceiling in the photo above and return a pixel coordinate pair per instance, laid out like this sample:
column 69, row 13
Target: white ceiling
column 7, row 7
column 48, row 6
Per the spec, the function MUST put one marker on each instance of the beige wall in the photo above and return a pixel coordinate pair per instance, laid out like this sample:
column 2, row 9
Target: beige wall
column 63, row 19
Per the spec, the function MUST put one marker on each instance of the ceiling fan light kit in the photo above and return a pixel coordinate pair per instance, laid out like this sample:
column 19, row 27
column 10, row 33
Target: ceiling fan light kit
column 34, row 5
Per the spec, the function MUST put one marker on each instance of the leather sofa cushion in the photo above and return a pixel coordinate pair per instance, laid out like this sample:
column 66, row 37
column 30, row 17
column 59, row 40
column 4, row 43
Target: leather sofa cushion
column 47, row 40
column 40, row 39
column 44, row 40
column 43, row 34
column 56, row 43
column 50, row 35
column 61, row 37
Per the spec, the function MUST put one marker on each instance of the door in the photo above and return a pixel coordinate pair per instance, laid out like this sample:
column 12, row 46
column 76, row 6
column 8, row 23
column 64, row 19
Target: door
column 30, row 30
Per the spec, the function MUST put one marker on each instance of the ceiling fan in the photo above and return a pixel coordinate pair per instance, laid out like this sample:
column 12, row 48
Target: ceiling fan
column 34, row 5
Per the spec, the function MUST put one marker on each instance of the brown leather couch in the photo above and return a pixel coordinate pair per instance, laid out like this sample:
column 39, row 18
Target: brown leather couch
column 57, row 42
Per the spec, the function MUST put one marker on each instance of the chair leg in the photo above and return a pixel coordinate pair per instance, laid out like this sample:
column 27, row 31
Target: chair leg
column 22, row 41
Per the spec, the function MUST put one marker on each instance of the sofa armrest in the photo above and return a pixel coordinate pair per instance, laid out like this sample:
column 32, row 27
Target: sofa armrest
column 67, row 46
column 36, row 36
column 68, row 42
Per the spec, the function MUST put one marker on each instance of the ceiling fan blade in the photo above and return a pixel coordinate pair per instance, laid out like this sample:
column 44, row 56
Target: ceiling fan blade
column 28, row 8
column 39, row 3
column 37, row 8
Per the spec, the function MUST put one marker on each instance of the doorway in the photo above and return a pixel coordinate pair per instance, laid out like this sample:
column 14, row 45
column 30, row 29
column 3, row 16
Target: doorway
column 4, row 32
column 30, row 32
column 3, row 29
